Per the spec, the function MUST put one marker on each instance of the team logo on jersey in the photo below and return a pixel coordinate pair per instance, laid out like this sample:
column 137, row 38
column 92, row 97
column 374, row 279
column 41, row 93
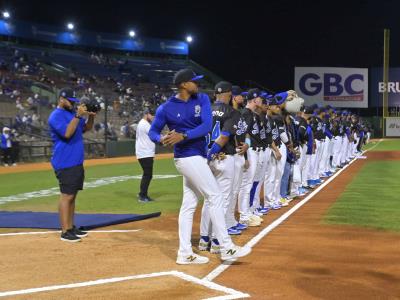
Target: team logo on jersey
column 262, row 134
column 255, row 129
column 197, row 110
column 268, row 128
column 319, row 126
column 241, row 127
column 275, row 133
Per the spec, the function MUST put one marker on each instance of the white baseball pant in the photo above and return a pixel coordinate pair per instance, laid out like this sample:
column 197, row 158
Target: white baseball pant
column 265, row 155
column 198, row 182
column 337, row 145
column 223, row 173
column 249, row 176
column 237, row 179
column 273, row 178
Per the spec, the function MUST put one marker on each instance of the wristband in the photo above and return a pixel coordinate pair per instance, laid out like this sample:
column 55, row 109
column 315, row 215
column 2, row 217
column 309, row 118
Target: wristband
column 78, row 117
column 248, row 141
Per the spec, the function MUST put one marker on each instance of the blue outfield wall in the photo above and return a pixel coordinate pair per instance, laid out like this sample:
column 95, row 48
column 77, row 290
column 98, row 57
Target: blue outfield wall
column 52, row 34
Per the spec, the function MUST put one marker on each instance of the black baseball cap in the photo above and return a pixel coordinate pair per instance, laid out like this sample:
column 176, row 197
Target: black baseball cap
column 223, row 87
column 69, row 94
column 237, row 90
column 186, row 75
column 252, row 94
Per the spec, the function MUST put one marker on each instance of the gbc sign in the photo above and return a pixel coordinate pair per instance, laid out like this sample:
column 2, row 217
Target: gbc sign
column 339, row 87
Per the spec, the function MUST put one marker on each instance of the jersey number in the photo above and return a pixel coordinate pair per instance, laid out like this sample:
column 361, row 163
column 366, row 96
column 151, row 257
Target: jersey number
column 215, row 133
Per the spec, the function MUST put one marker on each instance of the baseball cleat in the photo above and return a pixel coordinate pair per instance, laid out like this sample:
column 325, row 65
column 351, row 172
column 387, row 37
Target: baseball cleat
column 234, row 231
column 193, row 259
column 258, row 218
column 215, row 247
column 241, row 226
column 235, row 252
column 254, row 222
column 204, row 243
column 283, row 202
column 263, row 210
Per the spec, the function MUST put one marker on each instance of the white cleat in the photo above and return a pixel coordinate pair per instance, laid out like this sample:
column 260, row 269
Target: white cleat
column 192, row 259
column 235, row 252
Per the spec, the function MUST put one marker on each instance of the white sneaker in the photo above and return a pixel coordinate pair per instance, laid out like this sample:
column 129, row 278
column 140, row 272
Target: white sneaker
column 192, row 259
column 6, row 165
column 235, row 252
column 14, row 164
column 253, row 222
column 257, row 218
column 215, row 247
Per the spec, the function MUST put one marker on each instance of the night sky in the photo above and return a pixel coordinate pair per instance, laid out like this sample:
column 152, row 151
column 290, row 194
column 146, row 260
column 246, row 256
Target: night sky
column 260, row 41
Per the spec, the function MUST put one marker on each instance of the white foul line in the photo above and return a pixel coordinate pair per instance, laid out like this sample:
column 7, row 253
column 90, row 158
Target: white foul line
column 222, row 267
column 231, row 293
column 58, row 231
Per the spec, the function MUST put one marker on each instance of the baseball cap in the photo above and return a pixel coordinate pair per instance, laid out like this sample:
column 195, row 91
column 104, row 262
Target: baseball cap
column 237, row 90
column 265, row 97
column 186, row 75
column 223, row 87
column 69, row 94
column 253, row 93
column 278, row 98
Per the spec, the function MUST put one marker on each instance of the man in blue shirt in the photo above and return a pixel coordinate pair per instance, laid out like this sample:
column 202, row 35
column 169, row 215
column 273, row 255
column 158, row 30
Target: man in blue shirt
column 66, row 128
column 188, row 117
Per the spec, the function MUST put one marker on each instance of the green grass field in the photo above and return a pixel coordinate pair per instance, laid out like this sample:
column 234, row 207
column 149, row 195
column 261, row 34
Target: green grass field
column 117, row 197
column 372, row 199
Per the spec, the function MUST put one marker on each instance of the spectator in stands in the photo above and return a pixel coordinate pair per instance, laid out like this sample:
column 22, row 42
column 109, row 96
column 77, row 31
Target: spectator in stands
column 7, row 147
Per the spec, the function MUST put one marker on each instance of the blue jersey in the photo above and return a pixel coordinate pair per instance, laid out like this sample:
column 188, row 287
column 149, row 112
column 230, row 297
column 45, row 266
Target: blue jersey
column 66, row 152
column 192, row 117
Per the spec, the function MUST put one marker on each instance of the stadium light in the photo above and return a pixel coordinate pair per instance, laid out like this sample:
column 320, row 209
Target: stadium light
column 132, row 33
column 189, row 39
column 70, row 26
column 6, row 14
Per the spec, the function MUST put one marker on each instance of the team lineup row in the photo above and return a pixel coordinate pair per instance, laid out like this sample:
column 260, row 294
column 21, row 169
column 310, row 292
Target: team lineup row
column 230, row 150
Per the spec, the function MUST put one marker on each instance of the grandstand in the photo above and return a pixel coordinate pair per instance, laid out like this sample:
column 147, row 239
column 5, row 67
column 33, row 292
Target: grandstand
column 122, row 81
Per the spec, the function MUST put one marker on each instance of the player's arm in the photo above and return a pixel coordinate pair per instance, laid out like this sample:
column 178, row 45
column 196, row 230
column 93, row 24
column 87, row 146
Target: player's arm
column 157, row 126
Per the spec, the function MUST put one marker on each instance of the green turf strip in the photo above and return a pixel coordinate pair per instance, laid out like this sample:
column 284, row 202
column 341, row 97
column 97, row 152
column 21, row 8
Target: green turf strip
column 372, row 199
column 118, row 197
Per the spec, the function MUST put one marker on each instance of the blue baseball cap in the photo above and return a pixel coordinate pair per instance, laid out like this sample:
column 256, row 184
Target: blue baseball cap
column 69, row 94
column 279, row 98
column 186, row 75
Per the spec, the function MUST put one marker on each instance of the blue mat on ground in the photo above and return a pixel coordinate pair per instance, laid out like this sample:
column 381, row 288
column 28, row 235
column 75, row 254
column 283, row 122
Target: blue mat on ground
column 47, row 220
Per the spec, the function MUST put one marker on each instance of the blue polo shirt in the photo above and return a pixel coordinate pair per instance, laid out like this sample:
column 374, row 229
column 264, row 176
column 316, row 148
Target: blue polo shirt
column 192, row 117
column 66, row 152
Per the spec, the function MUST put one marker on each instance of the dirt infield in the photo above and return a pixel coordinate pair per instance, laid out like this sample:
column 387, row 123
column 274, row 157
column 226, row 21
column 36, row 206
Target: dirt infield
column 44, row 166
column 300, row 259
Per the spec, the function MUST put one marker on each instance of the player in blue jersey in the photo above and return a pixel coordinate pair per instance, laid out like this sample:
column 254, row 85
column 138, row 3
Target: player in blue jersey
column 188, row 117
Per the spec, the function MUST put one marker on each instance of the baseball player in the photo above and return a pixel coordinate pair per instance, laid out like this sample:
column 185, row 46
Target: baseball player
column 276, row 106
column 188, row 117
column 222, row 148
column 252, row 175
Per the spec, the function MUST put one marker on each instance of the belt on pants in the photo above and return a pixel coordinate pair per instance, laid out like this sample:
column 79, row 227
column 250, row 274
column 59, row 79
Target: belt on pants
column 258, row 149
